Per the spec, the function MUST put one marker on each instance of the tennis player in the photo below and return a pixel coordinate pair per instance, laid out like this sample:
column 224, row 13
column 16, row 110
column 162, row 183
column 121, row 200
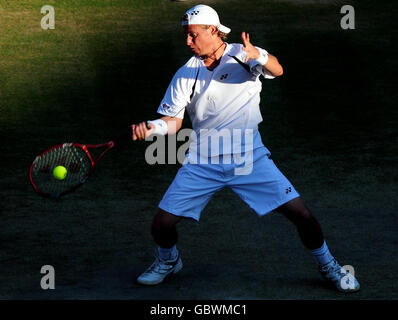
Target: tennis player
column 219, row 87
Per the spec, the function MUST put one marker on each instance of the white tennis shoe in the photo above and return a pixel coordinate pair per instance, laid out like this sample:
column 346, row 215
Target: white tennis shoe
column 159, row 270
column 343, row 280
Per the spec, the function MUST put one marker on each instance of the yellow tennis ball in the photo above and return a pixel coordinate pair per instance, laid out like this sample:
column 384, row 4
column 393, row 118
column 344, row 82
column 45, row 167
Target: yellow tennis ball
column 60, row 172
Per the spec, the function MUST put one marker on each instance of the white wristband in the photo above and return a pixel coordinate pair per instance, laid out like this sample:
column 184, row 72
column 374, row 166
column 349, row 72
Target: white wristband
column 160, row 127
column 262, row 59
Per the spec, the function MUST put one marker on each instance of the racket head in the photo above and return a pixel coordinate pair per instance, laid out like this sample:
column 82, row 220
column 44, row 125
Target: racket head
column 73, row 156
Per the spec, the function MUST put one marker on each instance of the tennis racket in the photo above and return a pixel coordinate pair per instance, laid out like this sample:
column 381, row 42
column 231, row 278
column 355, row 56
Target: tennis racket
column 77, row 158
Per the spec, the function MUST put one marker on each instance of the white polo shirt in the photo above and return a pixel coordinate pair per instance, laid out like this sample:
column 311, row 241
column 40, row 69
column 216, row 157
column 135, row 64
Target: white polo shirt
column 220, row 103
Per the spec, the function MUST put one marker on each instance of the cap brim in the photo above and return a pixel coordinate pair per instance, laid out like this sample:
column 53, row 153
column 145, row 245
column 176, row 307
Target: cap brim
column 224, row 29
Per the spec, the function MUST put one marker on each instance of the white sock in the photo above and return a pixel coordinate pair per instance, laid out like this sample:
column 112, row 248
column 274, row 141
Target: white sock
column 168, row 253
column 322, row 255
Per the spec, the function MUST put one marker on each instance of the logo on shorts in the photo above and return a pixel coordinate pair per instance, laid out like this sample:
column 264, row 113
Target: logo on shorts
column 288, row 190
column 224, row 76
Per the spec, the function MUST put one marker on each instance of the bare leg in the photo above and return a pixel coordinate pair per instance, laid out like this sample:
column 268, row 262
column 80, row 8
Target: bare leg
column 164, row 230
column 164, row 233
column 309, row 230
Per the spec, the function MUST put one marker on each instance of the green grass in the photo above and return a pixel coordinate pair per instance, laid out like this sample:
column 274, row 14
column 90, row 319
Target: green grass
column 329, row 121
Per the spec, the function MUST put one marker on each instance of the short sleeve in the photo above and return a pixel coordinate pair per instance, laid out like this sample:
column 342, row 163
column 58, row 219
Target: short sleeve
column 178, row 94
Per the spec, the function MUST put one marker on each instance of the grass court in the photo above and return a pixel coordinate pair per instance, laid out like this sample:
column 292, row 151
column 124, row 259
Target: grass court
column 330, row 122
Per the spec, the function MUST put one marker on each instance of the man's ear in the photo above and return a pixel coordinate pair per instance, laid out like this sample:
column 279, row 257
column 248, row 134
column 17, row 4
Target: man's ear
column 213, row 30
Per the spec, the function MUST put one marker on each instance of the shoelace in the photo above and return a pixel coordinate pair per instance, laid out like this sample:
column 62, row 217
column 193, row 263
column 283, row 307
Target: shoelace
column 159, row 266
column 335, row 269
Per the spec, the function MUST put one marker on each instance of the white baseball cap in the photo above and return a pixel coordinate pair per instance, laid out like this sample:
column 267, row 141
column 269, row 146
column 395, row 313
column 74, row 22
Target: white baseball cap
column 202, row 14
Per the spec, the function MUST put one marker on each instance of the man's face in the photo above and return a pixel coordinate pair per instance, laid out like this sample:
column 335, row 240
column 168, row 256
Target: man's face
column 199, row 39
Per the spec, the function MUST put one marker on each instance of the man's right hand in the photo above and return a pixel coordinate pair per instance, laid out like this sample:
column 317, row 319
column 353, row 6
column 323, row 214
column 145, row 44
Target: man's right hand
column 140, row 130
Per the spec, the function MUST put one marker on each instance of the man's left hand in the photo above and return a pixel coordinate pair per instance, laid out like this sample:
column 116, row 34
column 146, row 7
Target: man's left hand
column 251, row 51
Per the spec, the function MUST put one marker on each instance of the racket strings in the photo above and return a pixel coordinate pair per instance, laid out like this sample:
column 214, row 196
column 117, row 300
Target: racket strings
column 73, row 158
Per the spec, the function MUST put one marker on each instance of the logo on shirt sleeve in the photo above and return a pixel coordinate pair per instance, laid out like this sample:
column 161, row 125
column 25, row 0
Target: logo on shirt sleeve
column 165, row 106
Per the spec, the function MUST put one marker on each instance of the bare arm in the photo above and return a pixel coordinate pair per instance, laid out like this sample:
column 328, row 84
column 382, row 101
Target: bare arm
column 173, row 124
column 272, row 65
column 140, row 130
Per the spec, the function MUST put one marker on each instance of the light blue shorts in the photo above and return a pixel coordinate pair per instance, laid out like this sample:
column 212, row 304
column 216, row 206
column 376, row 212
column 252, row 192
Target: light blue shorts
column 264, row 189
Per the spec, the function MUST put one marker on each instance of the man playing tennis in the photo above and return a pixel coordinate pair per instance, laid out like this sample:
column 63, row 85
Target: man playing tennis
column 220, row 89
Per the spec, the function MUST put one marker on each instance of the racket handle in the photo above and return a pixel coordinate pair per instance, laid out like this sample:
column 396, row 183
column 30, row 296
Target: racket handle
column 148, row 126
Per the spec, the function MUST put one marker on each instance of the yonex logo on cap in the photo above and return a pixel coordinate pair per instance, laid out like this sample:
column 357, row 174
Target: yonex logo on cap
column 193, row 13
column 203, row 15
